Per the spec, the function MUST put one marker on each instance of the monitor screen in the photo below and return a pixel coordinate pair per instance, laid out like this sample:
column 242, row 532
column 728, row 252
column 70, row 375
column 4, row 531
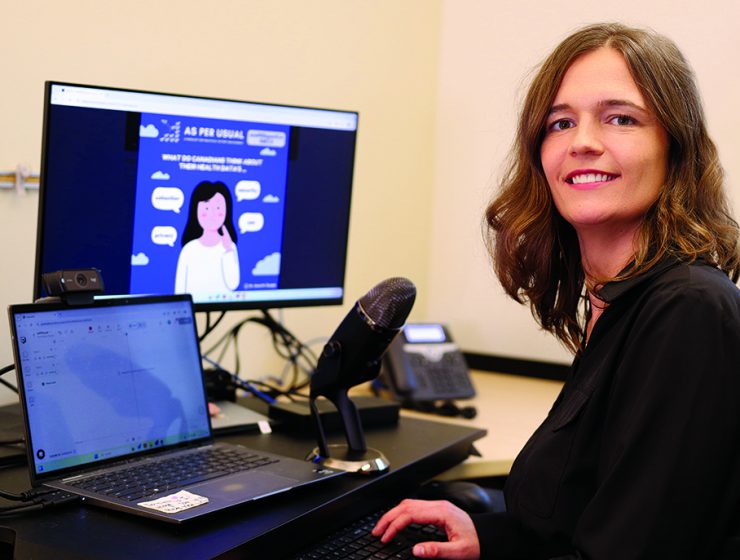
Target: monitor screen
column 243, row 205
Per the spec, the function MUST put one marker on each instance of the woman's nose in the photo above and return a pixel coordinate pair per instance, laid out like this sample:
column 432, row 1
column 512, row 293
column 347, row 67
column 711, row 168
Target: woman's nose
column 586, row 139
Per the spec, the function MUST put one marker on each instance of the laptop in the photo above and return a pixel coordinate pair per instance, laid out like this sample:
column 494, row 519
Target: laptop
column 116, row 386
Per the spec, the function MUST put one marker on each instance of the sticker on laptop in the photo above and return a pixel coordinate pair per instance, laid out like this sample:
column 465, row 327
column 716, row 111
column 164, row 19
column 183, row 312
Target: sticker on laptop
column 177, row 502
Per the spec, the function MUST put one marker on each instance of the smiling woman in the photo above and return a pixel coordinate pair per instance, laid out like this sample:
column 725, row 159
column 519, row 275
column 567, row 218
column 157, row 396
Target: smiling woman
column 605, row 157
column 612, row 223
column 643, row 100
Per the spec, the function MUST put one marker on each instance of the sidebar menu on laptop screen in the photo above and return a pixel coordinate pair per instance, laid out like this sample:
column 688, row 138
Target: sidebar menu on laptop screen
column 104, row 382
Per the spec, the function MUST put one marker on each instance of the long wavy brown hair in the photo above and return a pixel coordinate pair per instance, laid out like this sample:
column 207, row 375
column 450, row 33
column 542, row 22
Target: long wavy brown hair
column 535, row 252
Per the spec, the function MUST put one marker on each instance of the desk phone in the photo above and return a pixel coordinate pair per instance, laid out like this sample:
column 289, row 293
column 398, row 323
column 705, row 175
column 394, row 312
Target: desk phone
column 424, row 364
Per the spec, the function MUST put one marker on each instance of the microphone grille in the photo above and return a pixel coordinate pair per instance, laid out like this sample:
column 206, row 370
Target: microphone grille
column 389, row 303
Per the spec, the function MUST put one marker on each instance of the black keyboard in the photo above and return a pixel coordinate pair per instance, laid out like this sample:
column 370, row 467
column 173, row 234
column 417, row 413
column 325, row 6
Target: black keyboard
column 141, row 481
column 355, row 542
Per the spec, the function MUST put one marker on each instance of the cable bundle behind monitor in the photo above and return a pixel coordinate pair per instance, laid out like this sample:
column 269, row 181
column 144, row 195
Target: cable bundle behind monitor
column 300, row 359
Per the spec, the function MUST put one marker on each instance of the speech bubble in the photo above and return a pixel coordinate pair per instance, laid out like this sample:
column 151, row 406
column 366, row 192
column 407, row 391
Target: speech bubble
column 168, row 198
column 164, row 235
column 251, row 221
column 266, row 138
column 247, row 190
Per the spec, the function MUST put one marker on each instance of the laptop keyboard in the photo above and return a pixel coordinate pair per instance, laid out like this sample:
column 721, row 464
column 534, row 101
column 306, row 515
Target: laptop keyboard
column 145, row 480
column 355, row 542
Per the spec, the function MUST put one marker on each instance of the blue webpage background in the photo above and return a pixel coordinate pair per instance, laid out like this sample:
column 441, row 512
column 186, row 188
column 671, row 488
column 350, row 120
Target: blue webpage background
column 186, row 151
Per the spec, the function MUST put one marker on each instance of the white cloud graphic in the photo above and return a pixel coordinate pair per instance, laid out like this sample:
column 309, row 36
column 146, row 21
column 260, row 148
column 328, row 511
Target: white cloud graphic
column 161, row 176
column 269, row 266
column 148, row 131
column 268, row 152
column 271, row 198
column 139, row 259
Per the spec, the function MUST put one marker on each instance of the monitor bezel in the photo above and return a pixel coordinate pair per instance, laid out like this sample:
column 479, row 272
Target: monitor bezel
column 242, row 305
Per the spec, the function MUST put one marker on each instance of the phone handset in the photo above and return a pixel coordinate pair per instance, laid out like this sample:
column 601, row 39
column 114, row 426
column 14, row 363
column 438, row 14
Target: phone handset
column 423, row 364
column 404, row 381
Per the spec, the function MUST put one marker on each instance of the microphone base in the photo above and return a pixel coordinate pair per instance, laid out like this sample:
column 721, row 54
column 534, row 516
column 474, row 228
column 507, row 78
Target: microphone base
column 342, row 458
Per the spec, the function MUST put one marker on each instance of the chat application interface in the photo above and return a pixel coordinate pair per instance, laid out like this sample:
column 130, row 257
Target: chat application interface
column 219, row 241
column 106, row 382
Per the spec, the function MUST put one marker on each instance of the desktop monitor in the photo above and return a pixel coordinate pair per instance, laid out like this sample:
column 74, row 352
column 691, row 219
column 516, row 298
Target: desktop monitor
column 244, row 205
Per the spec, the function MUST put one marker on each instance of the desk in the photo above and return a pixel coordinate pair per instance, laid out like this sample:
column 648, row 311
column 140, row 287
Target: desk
column 417, row 449
column 510, row 408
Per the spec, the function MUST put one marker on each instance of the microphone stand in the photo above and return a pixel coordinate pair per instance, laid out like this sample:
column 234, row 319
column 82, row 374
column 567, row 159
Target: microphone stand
column 355, row 456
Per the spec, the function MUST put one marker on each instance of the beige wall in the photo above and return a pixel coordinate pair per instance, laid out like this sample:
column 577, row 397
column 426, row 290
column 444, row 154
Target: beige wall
column 437, row 85
column 488, row 49
column 377, row 57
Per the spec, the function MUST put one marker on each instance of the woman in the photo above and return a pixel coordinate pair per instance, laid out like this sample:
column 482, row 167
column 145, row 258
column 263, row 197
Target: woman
column 613, row 225
column 208, row 262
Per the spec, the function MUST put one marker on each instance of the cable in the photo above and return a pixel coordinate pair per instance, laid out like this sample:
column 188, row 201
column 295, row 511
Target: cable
column 39, row 499
column 446, row 408
column 33, row 495
column 22, row 497
column 7, row 511
column 9, row 385
column 226, row 340
column 5, row 370
column 209, row 328
column 295, row 351
column 300, row 359
column 242, row 384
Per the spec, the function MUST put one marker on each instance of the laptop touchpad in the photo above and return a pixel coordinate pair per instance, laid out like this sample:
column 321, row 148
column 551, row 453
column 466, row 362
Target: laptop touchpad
column 249, row 485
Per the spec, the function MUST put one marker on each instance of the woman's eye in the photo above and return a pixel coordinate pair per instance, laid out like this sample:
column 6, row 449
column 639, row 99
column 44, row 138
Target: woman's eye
column 560, row 124
column 622, row 120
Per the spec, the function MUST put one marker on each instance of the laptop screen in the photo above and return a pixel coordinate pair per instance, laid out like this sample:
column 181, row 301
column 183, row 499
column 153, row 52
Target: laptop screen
column 117, row 378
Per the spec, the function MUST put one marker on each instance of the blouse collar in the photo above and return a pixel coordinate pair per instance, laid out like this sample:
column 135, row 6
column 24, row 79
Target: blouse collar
column 614, row 290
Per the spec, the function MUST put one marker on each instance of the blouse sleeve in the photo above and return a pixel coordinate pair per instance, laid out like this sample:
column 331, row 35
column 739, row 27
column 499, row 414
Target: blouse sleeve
column 501, row 536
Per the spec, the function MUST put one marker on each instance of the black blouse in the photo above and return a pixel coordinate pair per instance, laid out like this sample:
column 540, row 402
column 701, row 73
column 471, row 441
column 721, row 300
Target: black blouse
column 640, row 455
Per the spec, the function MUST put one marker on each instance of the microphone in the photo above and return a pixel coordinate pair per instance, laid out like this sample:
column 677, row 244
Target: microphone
column 363, row 336
column 353, row 356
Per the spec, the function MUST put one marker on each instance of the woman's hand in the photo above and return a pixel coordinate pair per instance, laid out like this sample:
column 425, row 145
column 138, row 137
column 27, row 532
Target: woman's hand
column 462, row 540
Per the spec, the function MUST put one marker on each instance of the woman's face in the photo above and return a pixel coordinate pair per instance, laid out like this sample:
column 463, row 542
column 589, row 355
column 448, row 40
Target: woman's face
column 212, row 212
column 604, row 153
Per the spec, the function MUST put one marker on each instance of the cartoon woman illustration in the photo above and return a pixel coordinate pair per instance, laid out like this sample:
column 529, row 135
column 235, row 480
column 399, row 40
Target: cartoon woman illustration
column 208, row 262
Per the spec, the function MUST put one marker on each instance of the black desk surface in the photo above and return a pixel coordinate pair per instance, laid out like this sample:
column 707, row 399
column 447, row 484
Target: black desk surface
column 417, row 450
